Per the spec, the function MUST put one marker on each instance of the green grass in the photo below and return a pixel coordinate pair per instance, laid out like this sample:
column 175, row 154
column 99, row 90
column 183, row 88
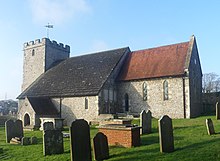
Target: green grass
column 190, row 138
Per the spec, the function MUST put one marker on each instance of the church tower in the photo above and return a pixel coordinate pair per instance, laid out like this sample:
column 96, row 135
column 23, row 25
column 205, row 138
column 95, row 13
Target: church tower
column 40, row 56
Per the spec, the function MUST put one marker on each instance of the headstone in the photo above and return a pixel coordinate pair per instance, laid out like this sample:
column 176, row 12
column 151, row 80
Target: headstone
column 33, row 140
column 166, row 134
column 218, row 111
column 1, row 150
column 52, row 142
column 100, row 147
column 210, row 127
column 25, row 141
column 145, row 122
column 58, row 123
column 48, row 126
column 13, row 129
column 80, row 146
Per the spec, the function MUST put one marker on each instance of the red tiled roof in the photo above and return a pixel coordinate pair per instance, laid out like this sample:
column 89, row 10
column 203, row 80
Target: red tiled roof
column 155, row 62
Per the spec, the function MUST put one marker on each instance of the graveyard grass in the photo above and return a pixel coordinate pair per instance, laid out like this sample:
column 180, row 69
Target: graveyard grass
column 191, row 143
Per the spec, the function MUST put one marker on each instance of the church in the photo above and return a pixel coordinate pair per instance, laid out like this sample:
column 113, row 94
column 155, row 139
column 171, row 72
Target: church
column 166, row 80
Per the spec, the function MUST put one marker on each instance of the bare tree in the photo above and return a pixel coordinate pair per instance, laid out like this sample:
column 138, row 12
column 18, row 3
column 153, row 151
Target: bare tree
column 210, row 82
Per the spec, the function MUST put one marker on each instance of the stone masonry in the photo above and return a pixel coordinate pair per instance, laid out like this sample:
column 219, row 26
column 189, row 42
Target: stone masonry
column 39, row 56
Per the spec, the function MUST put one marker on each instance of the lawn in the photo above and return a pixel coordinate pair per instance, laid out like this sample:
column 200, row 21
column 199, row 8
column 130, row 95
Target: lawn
column 190, row 138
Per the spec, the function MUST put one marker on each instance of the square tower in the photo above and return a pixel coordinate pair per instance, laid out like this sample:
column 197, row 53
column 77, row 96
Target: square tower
column 40, row 56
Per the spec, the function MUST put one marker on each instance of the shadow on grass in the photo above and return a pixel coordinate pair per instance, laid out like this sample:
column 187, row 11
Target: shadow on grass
column 198, row 145
column 148, row 140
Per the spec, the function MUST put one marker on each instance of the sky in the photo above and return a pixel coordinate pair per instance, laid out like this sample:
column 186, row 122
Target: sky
column 91, row 26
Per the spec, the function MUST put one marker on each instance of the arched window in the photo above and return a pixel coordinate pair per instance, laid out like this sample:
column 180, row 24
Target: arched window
column 33, row 52
column 126, row 103
column 165, row 90
column 86, row 103
column 145, row 91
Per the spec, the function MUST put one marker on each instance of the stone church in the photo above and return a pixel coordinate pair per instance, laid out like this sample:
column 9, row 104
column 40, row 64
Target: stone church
column 166, row 80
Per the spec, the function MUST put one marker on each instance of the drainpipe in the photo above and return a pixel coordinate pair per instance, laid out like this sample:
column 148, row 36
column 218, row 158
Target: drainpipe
column 184, row 98
column 60, row 105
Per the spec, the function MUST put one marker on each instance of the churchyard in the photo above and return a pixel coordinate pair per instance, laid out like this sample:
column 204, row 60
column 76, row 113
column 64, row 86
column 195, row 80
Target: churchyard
column 191, row 142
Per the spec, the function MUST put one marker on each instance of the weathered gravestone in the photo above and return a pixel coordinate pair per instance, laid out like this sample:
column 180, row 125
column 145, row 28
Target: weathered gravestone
column 210, row 127
column 48, row 126
column 145, row 122
column 217, row 111
column 13, row 129
column 25, row 141
column 33, row 140
column 80, row 146
column 100, row 147
column 166, row 134
column 52, row 142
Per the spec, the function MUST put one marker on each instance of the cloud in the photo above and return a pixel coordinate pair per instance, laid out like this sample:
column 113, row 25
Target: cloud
column 57, row 11
column 99, row 45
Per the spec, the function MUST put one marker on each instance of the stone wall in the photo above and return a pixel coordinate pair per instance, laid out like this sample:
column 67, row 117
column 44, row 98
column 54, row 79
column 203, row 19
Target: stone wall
column 74, row 108
column 195, row 75
column 39, row 56
column 155, row 102
column 26, row 108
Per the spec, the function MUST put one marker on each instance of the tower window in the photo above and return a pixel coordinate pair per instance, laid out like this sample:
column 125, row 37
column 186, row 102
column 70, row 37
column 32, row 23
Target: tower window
column 165, row 90
column 33, row 52
column 86, row 103
column 145, row 91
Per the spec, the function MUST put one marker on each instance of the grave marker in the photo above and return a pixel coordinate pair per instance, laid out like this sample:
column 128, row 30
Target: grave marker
column 145, row 122
column 52, row 142
column 13, row 129
column 210, row 127
column 217, row 111
column 25, row 141
column 48, row 126
column 80, row 146
column 166, row 134
column 100, row 147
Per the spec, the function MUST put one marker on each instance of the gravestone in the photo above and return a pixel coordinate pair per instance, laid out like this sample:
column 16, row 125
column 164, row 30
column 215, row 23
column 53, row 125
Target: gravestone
column 25, row 141
column 13, row 129
column 210, row 127
column 33, row 140
column 217, row 111
column 52, row 142
column 145, row 122
column 166, row 134
column 48, row 126
column 80, row 146
column 100, row 147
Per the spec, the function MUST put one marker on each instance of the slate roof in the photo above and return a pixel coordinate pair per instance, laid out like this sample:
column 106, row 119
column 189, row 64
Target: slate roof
column 43, row 106
column 155, row 62
column 76, row 76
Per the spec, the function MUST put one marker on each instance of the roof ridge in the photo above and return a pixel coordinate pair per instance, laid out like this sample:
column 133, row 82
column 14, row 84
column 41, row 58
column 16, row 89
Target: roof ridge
column 161, row 46
column 109, row 50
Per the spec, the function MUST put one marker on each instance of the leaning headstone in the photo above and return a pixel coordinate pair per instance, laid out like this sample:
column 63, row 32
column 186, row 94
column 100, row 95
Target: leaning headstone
column 25, row 141
column 166, row 134
column 52, row 142
column 145, row 122
column 48, row 126
column 100, row 147
column 80, row 146
column 33, row 140
column 210, row 127
column 13, row 129
column 218, row 111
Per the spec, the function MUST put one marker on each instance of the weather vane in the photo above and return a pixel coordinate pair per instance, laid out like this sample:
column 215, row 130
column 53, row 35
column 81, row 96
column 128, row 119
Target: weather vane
column 48, row 26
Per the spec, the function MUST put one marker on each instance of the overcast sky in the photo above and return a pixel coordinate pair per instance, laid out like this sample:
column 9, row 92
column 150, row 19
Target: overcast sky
column 89, row 26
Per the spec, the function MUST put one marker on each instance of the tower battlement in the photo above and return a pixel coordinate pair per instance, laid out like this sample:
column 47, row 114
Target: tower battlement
column 46, row 41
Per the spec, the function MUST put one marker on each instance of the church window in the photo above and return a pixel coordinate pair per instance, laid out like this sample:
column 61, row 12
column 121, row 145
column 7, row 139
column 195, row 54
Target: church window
column 165, row 90
column 145, row 91
column 33, row 52
column 86, row 103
